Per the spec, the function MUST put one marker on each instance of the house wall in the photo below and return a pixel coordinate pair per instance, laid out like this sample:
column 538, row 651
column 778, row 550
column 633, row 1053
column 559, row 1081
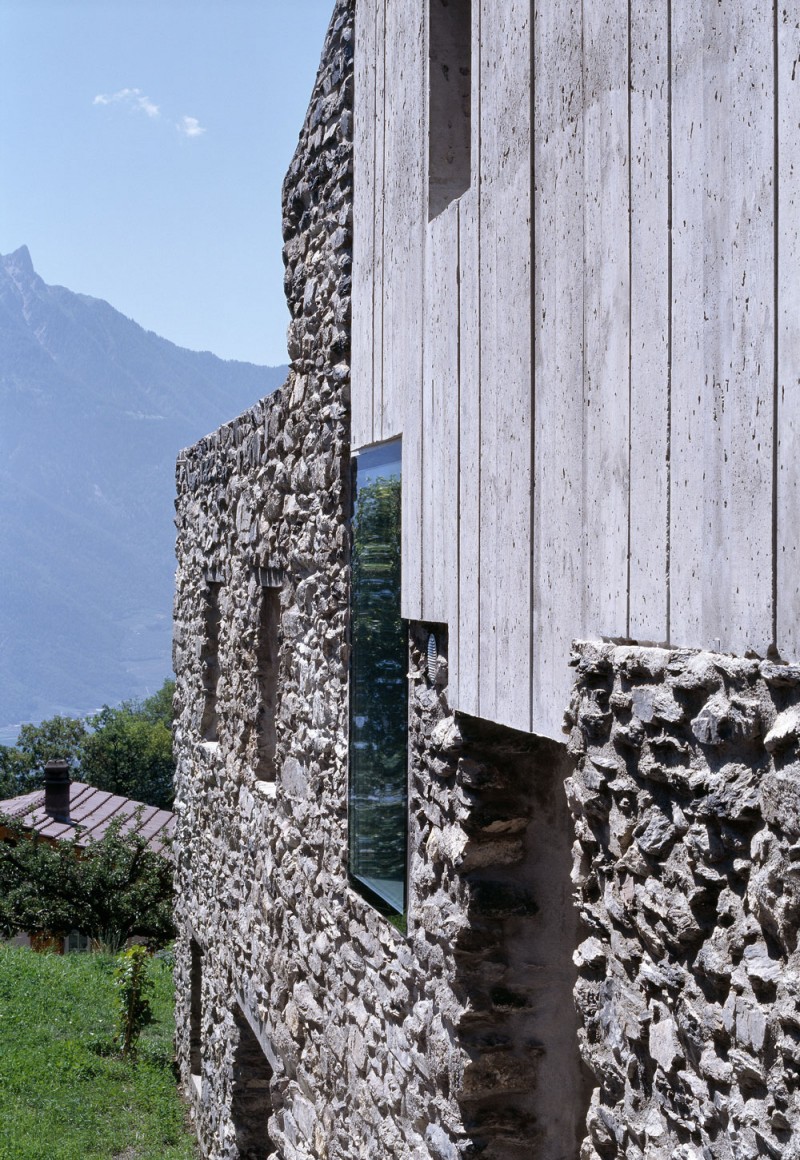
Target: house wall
column 596, row 440
column 308, row 1025
column 591, row 354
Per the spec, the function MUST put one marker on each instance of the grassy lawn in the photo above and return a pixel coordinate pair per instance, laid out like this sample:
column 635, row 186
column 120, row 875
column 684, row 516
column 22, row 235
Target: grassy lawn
column 64, row 1094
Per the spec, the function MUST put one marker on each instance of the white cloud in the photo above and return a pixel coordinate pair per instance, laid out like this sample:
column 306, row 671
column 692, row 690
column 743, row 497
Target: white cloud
column 133, row 98
column 190, row 127
column 137, row 102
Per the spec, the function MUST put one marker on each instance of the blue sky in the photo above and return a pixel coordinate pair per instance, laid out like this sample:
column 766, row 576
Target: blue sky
column 142, row 148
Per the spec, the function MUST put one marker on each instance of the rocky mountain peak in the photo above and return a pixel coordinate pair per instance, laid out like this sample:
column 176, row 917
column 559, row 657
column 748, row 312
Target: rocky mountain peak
column 18, row 263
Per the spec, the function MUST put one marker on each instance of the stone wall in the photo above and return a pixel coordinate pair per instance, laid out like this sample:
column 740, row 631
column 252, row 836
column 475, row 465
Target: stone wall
column 686, row 799
column 308, row 1024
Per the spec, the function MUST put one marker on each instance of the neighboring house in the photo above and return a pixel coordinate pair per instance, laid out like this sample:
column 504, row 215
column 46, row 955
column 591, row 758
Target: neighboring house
column 545, row 357
column 64, row 809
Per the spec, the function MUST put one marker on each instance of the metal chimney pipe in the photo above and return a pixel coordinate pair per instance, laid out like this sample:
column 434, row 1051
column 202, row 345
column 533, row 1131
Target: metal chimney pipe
column 56, row 789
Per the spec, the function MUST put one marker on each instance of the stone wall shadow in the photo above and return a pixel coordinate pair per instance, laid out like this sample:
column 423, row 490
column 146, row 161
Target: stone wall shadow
column 524, row 1092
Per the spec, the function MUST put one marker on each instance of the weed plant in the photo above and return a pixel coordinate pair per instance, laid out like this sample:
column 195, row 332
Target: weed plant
column 65, row 1092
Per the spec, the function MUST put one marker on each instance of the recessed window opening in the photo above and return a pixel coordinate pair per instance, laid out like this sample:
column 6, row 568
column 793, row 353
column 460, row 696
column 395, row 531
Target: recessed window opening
column 449, row 102
column 209, row 662
column 378, row 781
column 251, row 1103
column 267, row 668
column 195, row 1010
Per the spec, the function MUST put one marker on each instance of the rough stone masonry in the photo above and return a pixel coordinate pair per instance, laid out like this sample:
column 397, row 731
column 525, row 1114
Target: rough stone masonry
column 686, row 797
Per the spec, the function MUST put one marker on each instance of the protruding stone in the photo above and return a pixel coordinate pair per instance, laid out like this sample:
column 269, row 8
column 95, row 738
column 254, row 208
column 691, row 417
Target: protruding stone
column 722, row 720
column 785, row 730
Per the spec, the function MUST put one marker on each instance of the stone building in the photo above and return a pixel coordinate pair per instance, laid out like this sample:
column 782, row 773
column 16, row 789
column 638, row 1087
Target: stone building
column 490, row 609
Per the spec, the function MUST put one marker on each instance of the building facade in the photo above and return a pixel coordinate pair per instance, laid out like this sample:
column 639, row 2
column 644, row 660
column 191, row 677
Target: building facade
column 544, row 360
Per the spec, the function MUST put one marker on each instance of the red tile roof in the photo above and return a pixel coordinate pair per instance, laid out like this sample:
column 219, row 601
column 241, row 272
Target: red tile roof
column 93, row 810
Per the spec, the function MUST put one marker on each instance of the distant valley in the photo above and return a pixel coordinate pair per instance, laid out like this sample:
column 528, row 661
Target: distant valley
column 93, row 412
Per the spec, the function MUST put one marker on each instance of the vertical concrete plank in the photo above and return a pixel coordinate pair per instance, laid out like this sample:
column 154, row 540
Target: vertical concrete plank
column 650, row 304
column 558, row 567
column 469, row 476
column 361, row 370
column 506, row 365
column 687, row 430
column 788, row 319
column 405, row 213
column 466, row 685
column 401, row 219
column 739, row 306
column 440, row 408
column 733, row 472
column 606, row 315
column 379, row 179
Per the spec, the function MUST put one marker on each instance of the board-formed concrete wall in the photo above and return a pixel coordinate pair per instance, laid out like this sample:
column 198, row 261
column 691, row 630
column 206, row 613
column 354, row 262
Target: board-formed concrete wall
column 686, row 799
column 593, row 353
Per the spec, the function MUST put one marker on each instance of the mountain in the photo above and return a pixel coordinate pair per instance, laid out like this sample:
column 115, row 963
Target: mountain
column 93, row 412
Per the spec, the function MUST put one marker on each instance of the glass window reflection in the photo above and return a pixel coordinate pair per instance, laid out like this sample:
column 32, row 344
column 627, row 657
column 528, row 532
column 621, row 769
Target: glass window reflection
column 378, row 682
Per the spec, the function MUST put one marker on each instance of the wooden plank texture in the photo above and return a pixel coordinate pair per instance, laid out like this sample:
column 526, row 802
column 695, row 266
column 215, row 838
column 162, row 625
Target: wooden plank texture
column 788, row 320
column 606, row 315
column 506, row 370
column 650, row 315
column 361, row 370
column 723, row 597
column 558, row 562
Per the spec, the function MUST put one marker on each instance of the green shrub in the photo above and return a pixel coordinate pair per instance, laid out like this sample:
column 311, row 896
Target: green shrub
column 133, row 990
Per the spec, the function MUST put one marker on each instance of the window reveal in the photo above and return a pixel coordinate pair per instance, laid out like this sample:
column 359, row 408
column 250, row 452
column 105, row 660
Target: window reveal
column 449, row 102
column 195, row 1010
column 267, row 668
column 209, row 662
column 251, row 1100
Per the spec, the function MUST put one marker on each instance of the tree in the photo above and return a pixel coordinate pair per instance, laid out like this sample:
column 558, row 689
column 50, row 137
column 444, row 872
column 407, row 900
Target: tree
column 11, row 769
column 59, row 737
column 111, row 889
column 129, row 749
column 158, row 708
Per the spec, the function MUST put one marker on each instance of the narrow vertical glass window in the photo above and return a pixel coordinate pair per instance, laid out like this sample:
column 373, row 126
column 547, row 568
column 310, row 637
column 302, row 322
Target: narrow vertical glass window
column 209, row 663
column 378, row 787
column 267, row 661
column 449, row 102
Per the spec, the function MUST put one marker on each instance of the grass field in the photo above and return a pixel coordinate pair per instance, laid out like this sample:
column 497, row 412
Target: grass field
column 64, row 1093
